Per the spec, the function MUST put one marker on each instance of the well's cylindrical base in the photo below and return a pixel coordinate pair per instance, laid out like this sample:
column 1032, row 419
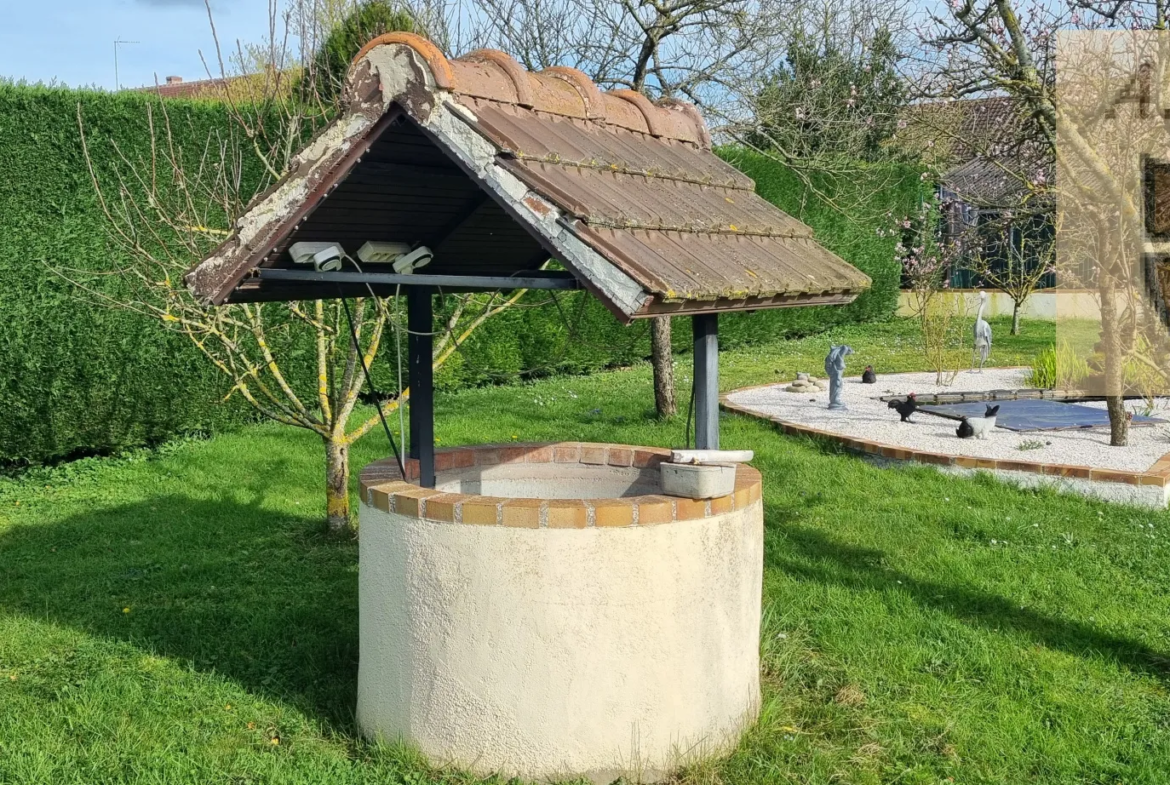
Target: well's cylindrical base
column 553, row 645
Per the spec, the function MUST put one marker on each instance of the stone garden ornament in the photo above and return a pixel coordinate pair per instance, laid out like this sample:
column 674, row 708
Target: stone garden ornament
column 835, row 370
column 805, row 384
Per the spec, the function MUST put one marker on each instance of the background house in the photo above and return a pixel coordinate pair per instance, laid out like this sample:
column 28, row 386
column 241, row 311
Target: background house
column 994, row 182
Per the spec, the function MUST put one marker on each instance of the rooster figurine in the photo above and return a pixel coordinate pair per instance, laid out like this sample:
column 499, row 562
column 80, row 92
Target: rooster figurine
column 868, row 376
column 906, row 408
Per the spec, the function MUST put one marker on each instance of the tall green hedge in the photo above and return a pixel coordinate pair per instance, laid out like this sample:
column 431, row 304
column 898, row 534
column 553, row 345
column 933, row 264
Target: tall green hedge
column 79, row 378
column 851, row 210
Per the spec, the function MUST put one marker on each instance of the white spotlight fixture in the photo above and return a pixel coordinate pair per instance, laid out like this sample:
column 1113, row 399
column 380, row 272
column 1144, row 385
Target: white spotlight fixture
column 409, row 262
column 325, row 257
column 375, row 252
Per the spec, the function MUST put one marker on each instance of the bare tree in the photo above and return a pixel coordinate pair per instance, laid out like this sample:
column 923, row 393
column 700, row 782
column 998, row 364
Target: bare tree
column 299, row 364
column 980, row 47
column 927, row 258
column 1013, row 262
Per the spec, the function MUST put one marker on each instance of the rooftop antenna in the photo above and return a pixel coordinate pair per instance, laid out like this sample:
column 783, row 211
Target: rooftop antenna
column 117, row 43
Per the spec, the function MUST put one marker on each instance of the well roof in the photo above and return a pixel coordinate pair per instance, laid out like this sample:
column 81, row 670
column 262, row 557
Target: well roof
column 498, row 169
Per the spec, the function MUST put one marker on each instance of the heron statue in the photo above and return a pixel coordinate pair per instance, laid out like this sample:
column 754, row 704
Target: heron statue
column 982, row 335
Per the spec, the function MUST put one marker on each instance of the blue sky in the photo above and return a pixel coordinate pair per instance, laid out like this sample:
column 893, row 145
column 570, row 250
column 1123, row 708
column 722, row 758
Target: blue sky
column 72, row 41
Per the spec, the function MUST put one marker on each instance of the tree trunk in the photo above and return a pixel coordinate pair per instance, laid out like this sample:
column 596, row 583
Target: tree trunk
column 336, row 486
column 1114, row 371
column 1118, row 420
column 662, row 358
column 1015, row 317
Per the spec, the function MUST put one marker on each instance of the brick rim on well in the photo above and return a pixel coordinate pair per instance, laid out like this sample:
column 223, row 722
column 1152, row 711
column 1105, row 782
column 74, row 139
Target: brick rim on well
column 383, row 487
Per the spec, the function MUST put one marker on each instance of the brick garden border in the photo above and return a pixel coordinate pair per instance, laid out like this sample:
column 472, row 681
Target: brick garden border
column 1157, row 475
column 383, row 487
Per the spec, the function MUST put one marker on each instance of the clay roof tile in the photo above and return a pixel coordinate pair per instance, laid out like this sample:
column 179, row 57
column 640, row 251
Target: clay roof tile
column 497, row 169
column 496, row 76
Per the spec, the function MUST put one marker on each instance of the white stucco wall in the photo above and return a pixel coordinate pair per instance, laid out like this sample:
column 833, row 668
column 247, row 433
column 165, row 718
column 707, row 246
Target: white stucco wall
column 1046, row 305
column 548, row 653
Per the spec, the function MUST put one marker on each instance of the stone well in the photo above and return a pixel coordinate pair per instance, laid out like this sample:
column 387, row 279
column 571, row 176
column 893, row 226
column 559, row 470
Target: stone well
column 544, row 613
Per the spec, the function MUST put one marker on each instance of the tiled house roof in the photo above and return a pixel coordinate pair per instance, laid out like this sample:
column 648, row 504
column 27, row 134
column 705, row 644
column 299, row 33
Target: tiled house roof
column 175, row 87
column 983, row 145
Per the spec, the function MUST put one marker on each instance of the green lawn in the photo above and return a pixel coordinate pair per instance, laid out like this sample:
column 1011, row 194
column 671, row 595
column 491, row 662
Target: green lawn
column 165, row 618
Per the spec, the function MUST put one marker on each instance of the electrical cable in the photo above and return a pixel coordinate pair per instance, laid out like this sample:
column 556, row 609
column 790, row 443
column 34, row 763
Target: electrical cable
column 370, row 383
column 398, row 329
column 398, row 356
column 690, row 410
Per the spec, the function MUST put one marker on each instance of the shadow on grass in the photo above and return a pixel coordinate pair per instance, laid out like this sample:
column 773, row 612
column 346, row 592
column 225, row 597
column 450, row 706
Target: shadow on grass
column 252, row 594
column 809, row 555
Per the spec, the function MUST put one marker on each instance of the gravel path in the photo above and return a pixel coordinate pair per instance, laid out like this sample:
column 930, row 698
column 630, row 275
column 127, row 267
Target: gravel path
column 871, row 419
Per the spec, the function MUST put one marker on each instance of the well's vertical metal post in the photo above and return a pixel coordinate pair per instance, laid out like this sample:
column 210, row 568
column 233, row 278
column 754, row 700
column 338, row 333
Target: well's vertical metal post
column 420, row 324
column 706, row 336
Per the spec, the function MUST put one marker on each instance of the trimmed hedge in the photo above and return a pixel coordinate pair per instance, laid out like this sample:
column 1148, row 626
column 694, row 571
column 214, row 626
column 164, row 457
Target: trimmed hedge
column 78, row 378
column 847, row 212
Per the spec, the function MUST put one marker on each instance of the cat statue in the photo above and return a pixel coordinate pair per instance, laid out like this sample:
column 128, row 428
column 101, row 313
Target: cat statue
column 978, row 427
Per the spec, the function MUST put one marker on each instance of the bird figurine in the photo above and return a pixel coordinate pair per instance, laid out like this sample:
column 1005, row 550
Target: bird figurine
column 978, row 427
column 905, row 408
column 982, row 346
column 868, row 376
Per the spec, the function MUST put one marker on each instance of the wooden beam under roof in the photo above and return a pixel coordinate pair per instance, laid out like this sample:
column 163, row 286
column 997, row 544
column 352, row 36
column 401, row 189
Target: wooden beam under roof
column 478, row 200
column 534, row 279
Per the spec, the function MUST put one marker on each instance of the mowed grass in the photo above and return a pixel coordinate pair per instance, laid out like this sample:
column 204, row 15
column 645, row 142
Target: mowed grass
column 176, row 616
